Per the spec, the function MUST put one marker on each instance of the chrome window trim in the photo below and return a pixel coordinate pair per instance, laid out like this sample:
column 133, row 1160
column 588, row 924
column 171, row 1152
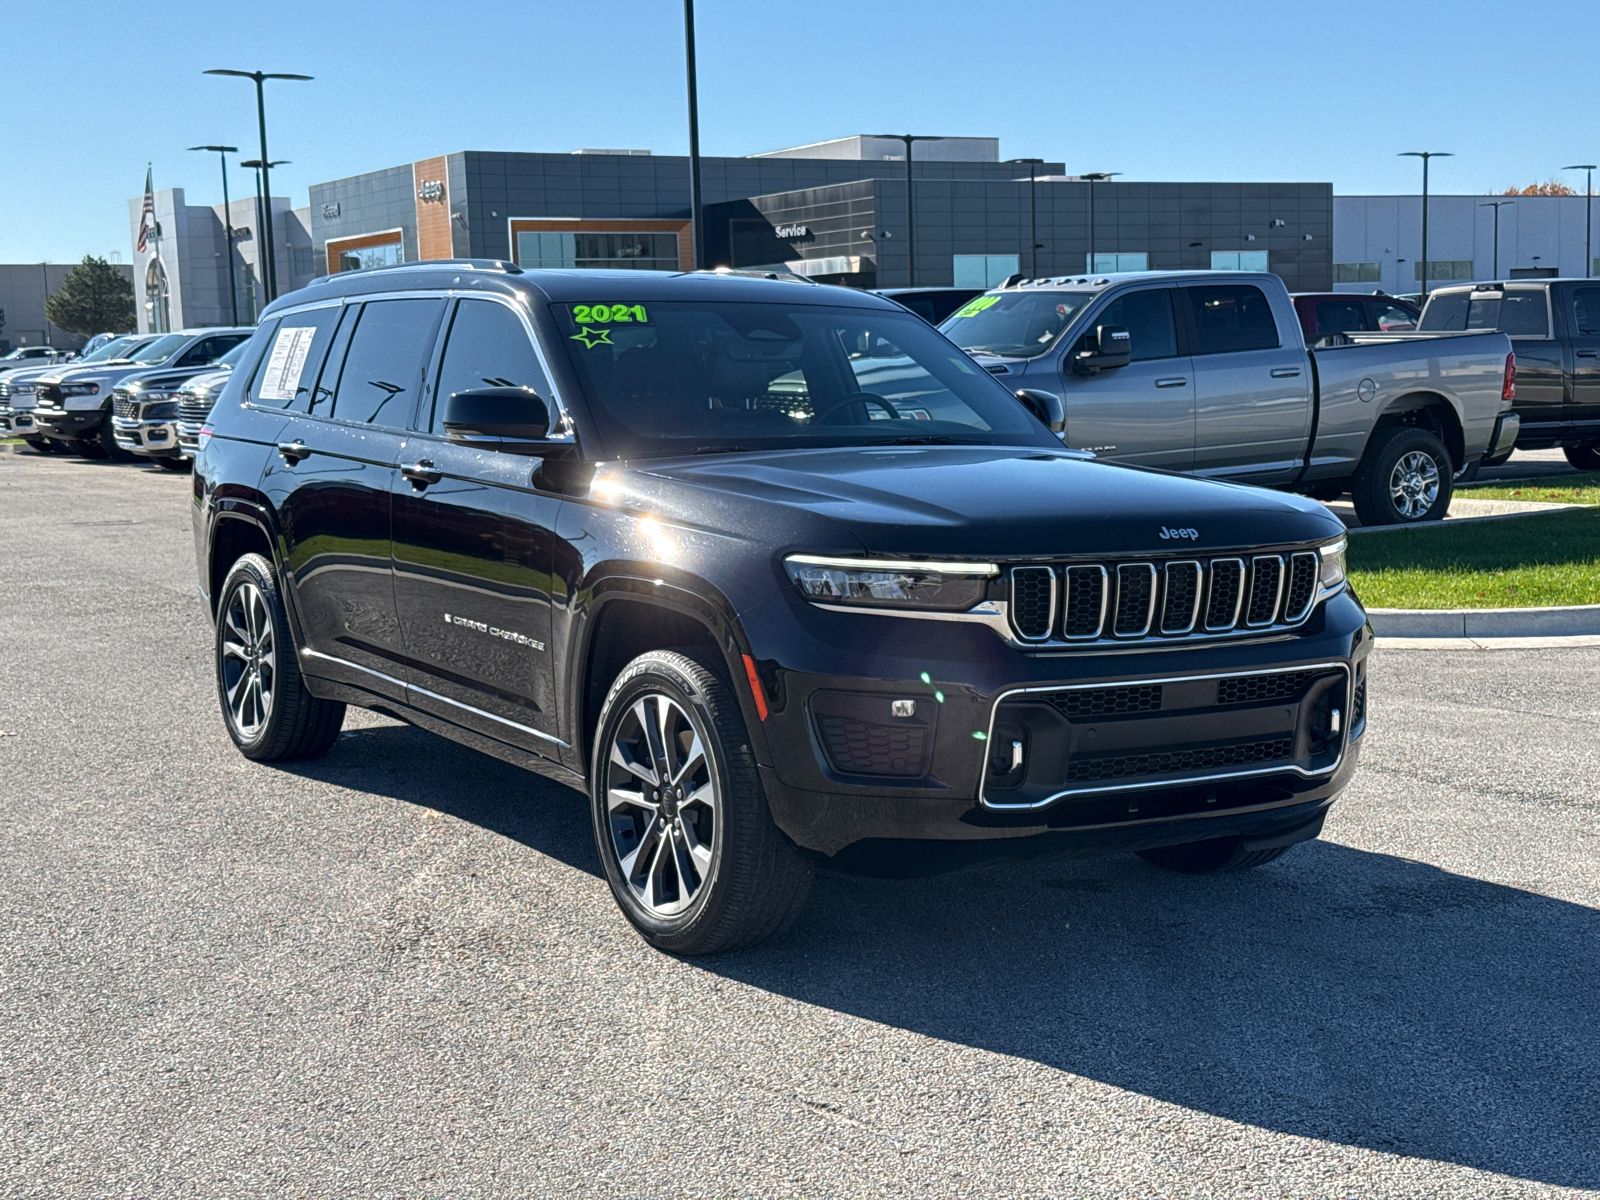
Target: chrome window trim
column 1001, row 698
column 1150, row 609
column 1105, row 597
column 1199, row 592
column 1050, row 619
column 1238, row 603
column 411, row 687
column 1277, row 599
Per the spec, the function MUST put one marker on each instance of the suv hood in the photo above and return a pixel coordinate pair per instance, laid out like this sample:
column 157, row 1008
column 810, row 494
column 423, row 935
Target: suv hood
column 981, row 501
column 164, row 379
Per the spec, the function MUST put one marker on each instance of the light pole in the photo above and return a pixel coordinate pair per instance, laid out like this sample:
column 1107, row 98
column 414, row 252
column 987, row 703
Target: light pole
column 1033, row 216
column 1588, row 218
column 911, row 237
column 696, row 218
column 1094, row 177
column 227, row 224
column 1425, row 155
column 261, row 220
column 260, row 78
column 1497, row 205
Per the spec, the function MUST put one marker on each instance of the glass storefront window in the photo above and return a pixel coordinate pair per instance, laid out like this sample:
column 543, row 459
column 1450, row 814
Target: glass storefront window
column 1238, row 260
column 1111, row 264
column 614, row 251
column 389, row 255
column 983, row 270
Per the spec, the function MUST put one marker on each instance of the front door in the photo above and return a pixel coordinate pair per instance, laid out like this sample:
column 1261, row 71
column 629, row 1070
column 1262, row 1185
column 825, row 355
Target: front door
column 1252, row 393
column 333, row 481
column 1144, row 412
column 472, row 549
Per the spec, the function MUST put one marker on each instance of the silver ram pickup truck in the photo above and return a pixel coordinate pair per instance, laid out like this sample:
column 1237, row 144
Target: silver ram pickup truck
column 1207, row 372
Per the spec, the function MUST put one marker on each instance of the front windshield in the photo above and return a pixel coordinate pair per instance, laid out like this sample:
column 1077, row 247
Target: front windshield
column 682, row 377
column 111, row 349
column 1017, row 324
column 161, row 349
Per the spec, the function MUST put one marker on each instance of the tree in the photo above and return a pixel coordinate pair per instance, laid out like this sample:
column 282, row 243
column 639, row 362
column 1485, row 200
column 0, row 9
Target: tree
column 1550, row 187
column 94, row 298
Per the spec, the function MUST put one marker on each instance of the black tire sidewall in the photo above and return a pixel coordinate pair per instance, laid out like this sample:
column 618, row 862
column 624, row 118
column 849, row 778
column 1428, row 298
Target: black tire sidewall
column 108, row 443
column 657, row 672
column 1374, row 504
column 1584, row 458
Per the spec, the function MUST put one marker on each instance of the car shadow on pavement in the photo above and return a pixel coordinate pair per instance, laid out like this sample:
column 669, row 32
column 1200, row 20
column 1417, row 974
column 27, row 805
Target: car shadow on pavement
column 1336, row 994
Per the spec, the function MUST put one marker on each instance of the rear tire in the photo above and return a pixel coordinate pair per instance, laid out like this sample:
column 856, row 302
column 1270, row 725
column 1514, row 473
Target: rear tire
column 697, row 866
column 1404, row 478
column 108, row 443
column 174, row 464
column 1585, row 457
column 79, row 447
column 1206, row 858
column 40, row 445
column 269, row 713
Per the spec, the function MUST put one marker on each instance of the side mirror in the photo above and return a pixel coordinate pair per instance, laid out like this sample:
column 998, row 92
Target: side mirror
column 1046, row 406
column 1109, row 346
column 512, row 419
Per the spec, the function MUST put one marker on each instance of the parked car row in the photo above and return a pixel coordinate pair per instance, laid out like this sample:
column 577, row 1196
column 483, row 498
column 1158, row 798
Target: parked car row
column 120, row 401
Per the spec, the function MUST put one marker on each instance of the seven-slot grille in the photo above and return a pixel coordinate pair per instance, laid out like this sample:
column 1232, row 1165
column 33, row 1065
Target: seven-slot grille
column 1132, row 600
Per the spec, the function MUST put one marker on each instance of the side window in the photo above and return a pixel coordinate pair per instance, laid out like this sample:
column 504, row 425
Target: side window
column 1340, row 316
column 1523, row 312
column 1391, row 318
column 382, row 370
column 1147, row 316
column 1446, row 313
column 208, row 350
column 296, row 347
column 1586, row 311
column 1232, row 317
column 487, row 347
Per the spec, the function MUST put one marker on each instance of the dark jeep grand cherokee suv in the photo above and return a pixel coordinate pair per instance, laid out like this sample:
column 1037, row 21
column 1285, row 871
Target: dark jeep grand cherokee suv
column 774, row 572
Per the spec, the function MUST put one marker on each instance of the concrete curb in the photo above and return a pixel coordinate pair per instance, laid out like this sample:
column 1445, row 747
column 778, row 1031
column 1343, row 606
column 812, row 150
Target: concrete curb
column 1573, row 621
column 1502, row 511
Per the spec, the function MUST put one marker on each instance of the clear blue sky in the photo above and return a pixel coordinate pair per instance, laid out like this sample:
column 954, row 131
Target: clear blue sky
column 1157, row 89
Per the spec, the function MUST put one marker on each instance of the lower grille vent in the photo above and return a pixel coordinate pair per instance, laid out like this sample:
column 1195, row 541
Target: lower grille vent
column 863, row 748
column 1207, row 758
column 1263, row 689
column 1110, row 701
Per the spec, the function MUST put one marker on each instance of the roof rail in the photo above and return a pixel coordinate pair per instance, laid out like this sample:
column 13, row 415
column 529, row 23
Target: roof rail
column 753, row 273
column 447, row 264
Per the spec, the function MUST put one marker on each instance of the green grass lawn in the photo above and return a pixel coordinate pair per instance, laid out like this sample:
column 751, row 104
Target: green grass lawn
column 1545, row 558
column 1562, row 489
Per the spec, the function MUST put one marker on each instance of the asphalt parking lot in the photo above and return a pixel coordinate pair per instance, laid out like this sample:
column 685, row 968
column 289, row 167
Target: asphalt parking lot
column 396, row 972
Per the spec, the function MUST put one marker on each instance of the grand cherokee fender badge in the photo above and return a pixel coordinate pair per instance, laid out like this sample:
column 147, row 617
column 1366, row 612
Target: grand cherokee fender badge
column 1192, row 535
column 506, row 635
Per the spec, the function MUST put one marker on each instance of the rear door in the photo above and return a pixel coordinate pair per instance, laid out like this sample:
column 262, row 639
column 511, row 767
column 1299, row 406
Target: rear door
column 333, row 477
column 1581, row 308
column 1144, row 412
column 472, row 547
column 1253, row 391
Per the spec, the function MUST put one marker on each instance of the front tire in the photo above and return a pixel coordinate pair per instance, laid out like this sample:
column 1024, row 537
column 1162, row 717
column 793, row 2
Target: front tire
column 1404, row 478
column 270, row 714
column 689, row 846
column 1209, row 857
column 108, row 443
column 40, row 445
column 174, row 464
column 1585, row 457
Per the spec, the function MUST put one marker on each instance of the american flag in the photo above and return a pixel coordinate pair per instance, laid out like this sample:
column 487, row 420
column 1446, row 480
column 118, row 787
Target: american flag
column 147, row 215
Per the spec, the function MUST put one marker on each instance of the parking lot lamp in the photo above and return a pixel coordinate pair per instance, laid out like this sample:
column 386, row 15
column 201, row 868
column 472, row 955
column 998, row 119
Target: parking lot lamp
column 261, row 217
column 227, row 224
column 1425, row 155
column 911, row 237
column 260, row 77
column 1033, row 216
column 696, row 218
column 1497, row 205
column 1092, row 178
column 1588, row 215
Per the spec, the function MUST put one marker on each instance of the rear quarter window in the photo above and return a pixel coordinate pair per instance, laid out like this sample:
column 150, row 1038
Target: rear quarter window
column 1231, row 317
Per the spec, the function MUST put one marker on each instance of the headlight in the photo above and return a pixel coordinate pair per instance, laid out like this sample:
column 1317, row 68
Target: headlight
column 80, row 389
column 1333, row 571
column 885, row 583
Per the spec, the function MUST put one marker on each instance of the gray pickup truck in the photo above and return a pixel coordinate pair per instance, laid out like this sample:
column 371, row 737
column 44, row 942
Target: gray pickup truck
column 1208, row 372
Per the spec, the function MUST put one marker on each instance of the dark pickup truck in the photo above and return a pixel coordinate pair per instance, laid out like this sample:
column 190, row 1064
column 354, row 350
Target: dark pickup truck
column 774, row 572
column 1554, row 326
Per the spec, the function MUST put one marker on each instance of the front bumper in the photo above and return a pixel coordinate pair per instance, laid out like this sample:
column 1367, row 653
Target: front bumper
column 17, row 422
column 1506, row 429
column 982, row 763
column 189, row 436
column 152, row 437
column 69, row 424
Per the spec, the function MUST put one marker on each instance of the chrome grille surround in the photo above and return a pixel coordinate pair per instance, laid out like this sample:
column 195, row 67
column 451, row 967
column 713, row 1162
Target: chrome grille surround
column 1180, row 576
column 1266, row 590
column 1136, row 590
column 1032, row 622
column 1083, row 615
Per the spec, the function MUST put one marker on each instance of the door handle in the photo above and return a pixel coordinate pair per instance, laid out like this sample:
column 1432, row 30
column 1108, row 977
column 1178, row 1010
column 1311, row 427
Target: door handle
column 422, row 473
column 294, row 451
column 1285, row 372
column 1175, row 381
column 1586, row 353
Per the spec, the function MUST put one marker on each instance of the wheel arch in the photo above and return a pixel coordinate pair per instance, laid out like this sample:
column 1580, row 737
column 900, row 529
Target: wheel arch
column 237, row 528
column 1423, row 409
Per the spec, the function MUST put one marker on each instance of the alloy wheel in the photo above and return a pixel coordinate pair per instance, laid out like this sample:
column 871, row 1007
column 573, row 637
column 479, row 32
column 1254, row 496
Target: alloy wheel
column 1414, row 484
column 249, row 660
column 663, row 809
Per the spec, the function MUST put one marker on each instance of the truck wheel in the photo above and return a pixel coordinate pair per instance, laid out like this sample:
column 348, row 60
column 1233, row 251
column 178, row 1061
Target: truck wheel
column 1585, row 457
column 688, row 844
column 174, row 464
column 1403, row 478
column 1218, row 854
column 79, row 447
column 108, row 443
column 40, row 445
column 268, row 711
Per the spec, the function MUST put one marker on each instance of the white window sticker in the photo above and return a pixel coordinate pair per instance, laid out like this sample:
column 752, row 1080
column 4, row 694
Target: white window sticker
column 281, row 380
